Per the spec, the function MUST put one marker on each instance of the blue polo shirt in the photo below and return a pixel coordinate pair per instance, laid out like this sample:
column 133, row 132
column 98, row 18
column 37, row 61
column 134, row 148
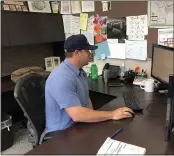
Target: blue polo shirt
column 65, row 87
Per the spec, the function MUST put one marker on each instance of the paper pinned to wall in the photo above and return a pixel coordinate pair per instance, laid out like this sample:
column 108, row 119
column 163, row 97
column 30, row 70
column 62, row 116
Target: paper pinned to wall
column 90, row 23
column 117, row 50
column 67, row 35
column 75, row 25
column 75, row 7
column 89, row 35
column 136, row 50
column 65, row 7
column 83, row 21
column 164, row 34
column 88, row 6
column 137, row 27
column 102, row 51
column 106, row 5
column 160, row 14
column 67, row 23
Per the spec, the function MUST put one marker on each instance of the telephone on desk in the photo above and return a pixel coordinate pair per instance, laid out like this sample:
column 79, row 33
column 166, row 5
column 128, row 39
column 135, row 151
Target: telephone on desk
column 112, row 75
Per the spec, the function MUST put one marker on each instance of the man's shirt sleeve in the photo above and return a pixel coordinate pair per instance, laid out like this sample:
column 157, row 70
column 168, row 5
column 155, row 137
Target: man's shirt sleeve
column 64, row 91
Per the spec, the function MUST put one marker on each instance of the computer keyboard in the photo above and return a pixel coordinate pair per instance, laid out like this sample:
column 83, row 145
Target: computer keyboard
column 131, row 101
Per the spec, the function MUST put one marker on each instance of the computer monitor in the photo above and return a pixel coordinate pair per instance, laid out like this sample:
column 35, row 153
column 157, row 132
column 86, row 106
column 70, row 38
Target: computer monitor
column 162, row 63
column 169, row 127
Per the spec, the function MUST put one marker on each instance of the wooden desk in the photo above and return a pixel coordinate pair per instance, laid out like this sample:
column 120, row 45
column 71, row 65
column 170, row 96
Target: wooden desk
column 145, row 130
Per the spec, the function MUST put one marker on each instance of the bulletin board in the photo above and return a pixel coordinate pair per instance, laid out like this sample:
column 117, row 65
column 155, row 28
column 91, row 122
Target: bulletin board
column 129, row 8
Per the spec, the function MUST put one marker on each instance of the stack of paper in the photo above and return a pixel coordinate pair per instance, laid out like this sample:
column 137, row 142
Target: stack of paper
column 117, row 147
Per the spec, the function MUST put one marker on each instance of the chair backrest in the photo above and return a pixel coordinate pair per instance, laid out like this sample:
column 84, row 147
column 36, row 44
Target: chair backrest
column 30, row 94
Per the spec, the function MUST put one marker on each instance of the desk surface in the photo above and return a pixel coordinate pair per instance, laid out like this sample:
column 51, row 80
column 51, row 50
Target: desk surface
column 145, row 129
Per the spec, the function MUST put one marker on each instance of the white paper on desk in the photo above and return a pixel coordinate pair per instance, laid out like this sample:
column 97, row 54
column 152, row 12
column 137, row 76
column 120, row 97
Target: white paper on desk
column 89, row 35
column 65, row 7
column 67, row 19
column 164, row 34
column 137, row 27
column 88, row 6
column 111, row 146
column 117, row 50
column 75, row 7
column 75, row 25
column 136, row 50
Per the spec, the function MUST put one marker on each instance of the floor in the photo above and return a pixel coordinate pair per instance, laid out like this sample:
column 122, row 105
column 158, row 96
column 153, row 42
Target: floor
column 21, row 144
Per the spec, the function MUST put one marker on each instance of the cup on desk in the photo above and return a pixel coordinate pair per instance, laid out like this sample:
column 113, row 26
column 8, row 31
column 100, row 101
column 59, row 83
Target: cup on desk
column 105, row 75
column 147, row 85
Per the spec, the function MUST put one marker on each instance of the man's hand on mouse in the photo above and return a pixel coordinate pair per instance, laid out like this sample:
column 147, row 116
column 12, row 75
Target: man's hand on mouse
column 121, row 113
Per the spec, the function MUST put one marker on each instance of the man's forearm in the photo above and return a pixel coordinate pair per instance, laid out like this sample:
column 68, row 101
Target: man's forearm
column 88, row 115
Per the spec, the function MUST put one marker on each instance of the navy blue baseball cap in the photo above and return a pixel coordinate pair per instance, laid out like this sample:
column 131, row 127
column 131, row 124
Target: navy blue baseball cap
column 78, row 42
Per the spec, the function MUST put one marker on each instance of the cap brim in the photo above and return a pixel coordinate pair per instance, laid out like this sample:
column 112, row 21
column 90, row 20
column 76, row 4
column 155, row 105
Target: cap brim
column 91, row 47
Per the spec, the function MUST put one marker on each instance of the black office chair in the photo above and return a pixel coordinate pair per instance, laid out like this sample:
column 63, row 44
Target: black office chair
column 30, row 94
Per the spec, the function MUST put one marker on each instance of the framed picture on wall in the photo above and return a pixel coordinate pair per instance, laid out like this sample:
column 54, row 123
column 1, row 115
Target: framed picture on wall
column 49, row 64
column 39, row 6
column 14, row 6
column 56, row 61
column 56, row 6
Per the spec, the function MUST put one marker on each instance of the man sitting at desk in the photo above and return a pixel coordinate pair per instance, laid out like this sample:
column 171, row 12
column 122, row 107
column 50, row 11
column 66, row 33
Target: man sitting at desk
column 67, row 94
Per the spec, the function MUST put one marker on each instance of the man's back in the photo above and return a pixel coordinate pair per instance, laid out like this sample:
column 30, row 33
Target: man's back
column 65, row 87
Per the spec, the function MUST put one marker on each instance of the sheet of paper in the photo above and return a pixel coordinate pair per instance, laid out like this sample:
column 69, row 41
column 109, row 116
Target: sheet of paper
column 137, row 27
column 111, row 146
column 67, row 23
column 160, row 14
column 67, row 35
column 88, row 6
column 100, row 28
column 75, row 25
column 83, row 21
column 89, row 35
column 106, row 5
column 90, row 23
column 164, row 34
column 75, row 7
column 65, row 7
column 117, row 50
column 136, row 50
column 102, row 51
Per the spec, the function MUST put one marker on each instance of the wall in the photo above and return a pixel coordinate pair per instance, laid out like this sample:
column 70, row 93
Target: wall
column 16, row 57
column 123, row 9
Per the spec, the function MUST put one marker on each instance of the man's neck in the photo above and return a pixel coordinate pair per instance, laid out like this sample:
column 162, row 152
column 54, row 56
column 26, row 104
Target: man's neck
column 74, row 63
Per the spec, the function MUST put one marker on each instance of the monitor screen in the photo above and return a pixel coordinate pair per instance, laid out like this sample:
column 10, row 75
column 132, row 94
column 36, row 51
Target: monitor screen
column 162, row 63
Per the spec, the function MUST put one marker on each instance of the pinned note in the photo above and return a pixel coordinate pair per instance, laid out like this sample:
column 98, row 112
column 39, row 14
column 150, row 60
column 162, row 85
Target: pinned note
column 67, row 23
column 83, row 21
column 117, row 50
column 88, row 6
column 102, row 51
column 75, row 7
column 136, row 50
column 89, row 35
column 65, row 7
